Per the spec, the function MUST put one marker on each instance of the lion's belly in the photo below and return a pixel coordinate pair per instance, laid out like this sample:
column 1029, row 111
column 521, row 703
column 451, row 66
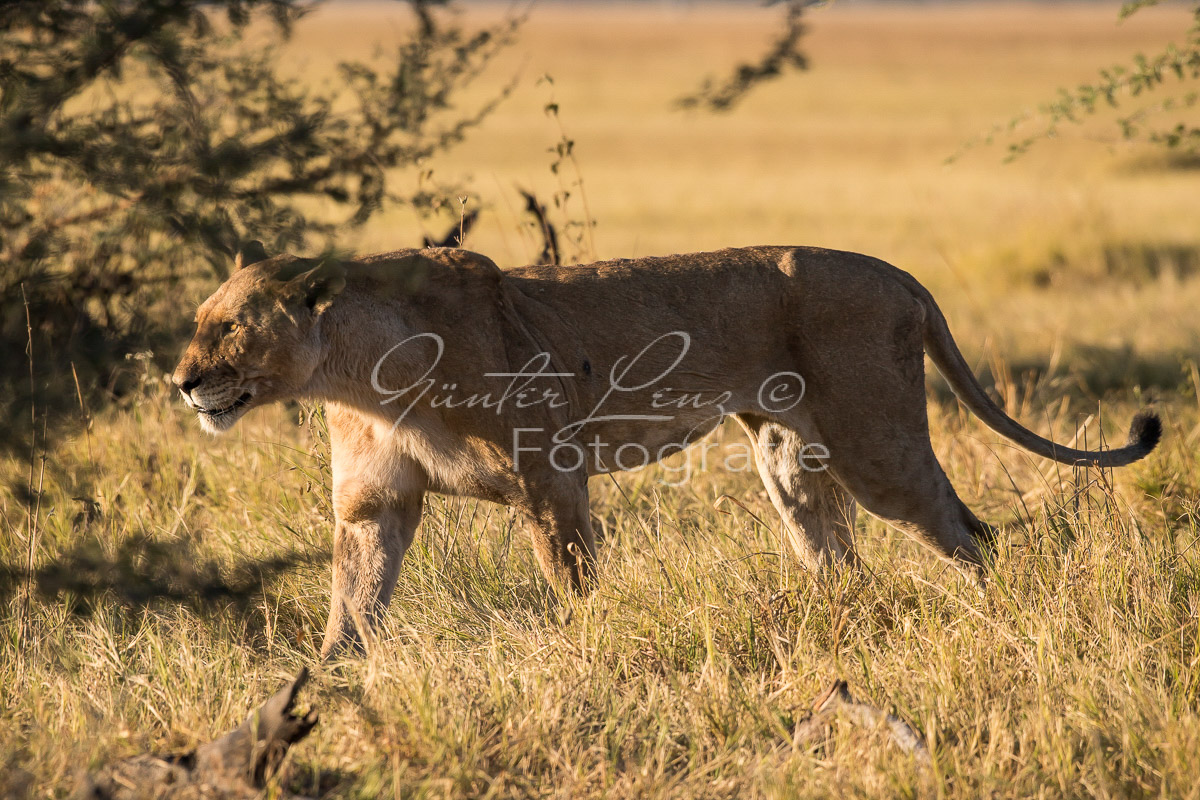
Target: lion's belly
column 636, row 430
column 616, row 447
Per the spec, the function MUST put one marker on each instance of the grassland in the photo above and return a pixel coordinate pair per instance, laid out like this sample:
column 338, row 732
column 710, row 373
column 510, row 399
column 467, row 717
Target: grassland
column 179, row 578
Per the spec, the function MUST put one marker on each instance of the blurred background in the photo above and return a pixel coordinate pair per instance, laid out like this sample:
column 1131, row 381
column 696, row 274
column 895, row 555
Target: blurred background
column 972, row 144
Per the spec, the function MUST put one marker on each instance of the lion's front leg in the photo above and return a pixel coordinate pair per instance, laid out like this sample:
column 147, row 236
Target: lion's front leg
column 377, row 498
column 369, row 543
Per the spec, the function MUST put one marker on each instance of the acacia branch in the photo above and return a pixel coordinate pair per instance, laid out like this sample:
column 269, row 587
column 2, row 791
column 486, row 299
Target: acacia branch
column 784, row 53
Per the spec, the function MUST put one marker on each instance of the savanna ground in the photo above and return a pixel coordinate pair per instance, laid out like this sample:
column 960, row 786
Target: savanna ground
column 178, row 579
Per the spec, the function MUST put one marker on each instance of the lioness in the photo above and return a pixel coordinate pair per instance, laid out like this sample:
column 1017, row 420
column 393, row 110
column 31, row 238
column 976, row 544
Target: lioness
column 441, row 372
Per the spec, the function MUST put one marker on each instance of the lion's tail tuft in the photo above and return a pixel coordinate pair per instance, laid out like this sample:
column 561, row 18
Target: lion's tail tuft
column 1144, row 433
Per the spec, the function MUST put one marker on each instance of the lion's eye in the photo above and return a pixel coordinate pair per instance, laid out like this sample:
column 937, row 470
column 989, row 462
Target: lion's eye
column 231, row 328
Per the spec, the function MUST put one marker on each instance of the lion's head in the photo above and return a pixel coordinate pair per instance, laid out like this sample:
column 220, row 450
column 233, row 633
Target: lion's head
column 257, row 337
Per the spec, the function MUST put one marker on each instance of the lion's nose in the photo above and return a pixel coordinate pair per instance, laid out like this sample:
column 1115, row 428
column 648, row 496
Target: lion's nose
column 188, row 384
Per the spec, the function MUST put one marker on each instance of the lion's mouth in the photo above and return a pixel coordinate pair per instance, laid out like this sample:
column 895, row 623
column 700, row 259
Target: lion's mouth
column 220, row 412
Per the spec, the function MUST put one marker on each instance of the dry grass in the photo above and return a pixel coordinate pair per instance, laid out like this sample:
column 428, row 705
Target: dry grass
column 199, row 579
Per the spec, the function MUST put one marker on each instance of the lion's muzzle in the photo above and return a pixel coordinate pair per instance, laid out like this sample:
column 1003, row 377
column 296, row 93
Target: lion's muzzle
column 219, row 401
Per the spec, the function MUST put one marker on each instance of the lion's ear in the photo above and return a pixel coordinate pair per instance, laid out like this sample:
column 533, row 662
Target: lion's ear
column 319, row 285
column 251, row 252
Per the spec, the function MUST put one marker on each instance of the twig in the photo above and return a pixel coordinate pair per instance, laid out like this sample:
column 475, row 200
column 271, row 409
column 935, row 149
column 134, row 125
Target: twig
column 30, row 521
column 564, row 150
column 87, row 419
column 238, row 765
column 455, row 236
column 550, row 254
column 37, row 513
column 462, row 217
column 837, row 701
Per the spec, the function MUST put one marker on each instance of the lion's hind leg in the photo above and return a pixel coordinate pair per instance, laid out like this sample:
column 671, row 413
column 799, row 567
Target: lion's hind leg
column 818, row 515
column 865, row 404
column 883, row 457
column 921, row 502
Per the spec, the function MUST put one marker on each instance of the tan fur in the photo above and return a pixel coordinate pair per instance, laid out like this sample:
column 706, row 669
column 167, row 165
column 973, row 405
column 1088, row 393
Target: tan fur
column 847, row 330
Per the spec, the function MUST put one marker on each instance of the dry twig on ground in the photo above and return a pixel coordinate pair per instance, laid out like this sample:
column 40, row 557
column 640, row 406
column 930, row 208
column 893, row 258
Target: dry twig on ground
column 837, row 701
column 233, row 767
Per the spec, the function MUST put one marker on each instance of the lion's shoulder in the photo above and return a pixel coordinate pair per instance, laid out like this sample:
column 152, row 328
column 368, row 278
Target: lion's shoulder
column 451, row 274
column 452, row 259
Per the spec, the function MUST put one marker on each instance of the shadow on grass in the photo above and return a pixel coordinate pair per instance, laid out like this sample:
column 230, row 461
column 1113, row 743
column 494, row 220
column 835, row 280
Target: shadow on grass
column 1087, row 372
column 1164, row 160
column 143, row 572
column 1138, row 262
column 310, row 779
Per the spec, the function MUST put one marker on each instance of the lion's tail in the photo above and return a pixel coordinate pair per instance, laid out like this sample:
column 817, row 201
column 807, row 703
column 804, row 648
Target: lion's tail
column 1144, row 432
